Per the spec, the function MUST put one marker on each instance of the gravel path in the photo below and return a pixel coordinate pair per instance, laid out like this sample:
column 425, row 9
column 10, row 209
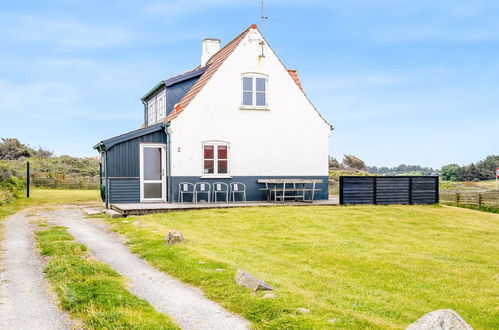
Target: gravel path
column 25, row 301
column 185, row 304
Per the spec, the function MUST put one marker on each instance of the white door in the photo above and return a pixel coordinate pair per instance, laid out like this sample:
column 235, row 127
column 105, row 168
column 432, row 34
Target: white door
column 152, row 173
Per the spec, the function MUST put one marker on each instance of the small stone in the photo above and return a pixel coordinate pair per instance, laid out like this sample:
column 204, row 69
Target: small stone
column 269, row 295
column 113, row 214
column 174, row 237
column 136, row 223
column 332, row 320
column 154, row 231
column 126, row 221
column 443, row 319
column 201, row 262
column 302, row 310
column 245, row 279
column 219, row 270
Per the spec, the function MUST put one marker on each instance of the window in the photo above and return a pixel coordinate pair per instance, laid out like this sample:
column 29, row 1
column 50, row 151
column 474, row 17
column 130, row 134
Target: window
column 160, row 104
column 156, row 108
column 215, row 158
column 254, row 91
column 151, row 112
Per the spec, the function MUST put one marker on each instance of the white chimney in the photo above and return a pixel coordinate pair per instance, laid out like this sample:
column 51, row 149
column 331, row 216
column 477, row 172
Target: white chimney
column 209, row 48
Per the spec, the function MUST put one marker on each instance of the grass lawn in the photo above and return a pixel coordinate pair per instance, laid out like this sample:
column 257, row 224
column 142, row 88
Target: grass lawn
column 47, row 197
column 90, row 290
column 352, row 267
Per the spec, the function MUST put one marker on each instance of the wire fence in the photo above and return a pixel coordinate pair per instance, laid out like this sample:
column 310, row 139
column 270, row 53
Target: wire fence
column 79, row 183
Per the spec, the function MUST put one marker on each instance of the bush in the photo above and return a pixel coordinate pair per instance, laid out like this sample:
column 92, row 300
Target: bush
column 5, row 195
column 103, row 192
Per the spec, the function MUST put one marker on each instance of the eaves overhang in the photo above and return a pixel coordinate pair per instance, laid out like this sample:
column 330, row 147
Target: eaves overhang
column 109, row 143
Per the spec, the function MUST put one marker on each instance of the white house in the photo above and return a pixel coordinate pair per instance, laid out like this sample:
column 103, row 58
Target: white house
column 239, row 116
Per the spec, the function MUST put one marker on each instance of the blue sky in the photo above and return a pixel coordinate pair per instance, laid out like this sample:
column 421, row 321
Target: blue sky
column 413, row 82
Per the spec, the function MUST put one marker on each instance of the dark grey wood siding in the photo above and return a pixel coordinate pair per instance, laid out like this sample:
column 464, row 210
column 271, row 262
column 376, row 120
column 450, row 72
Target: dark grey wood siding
column 389, row 190
column 424, row 190
column 392, row 190
column 123, row 158
column 125, row 190
column 357, row 190
column 123, row 167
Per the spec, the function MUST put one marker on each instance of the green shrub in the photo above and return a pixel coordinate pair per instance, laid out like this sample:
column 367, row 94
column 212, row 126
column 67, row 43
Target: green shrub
column 103, row 192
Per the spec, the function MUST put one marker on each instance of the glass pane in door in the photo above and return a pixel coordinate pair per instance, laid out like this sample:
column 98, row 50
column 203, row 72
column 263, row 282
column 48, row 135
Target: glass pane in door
column 152, row 163
column 153, row 190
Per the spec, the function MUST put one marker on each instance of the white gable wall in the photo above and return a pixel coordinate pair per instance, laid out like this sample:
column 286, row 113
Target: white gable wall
column 290, row 139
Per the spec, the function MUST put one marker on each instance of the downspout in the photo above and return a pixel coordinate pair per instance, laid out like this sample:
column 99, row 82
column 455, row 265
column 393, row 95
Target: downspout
column 168, row 163
column 108, row 190
column 145, row 112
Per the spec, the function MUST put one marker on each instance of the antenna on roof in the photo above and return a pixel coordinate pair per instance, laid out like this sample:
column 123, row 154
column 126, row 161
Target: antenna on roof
column 263, row 18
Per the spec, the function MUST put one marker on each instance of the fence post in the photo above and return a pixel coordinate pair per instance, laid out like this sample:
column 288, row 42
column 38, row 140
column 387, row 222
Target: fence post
column 341, row 190
column 27, row 179
column 437, row 190
column 410, row 191
column 457, row 198
column 479, row 200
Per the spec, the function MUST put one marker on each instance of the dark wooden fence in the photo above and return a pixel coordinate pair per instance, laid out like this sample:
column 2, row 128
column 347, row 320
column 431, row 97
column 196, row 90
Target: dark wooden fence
column 388, row 189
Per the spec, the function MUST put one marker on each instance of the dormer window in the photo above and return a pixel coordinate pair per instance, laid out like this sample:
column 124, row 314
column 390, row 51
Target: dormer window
column 254, row 91
column 156, row 108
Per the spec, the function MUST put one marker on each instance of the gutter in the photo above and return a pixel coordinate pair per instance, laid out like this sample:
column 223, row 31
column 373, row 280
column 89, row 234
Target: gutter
column 153, row 90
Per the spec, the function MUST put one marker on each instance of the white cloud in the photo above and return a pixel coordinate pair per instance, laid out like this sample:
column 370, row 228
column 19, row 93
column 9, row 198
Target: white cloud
column 51, row 100
column 64, row 33
column 176, row 8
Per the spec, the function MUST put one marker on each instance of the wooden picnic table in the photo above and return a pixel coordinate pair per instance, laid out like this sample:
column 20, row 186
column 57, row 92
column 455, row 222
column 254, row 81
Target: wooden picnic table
column 281, row 189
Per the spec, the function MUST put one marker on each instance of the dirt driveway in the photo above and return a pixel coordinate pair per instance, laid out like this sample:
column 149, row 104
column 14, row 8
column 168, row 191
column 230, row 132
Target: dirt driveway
column 25, row 298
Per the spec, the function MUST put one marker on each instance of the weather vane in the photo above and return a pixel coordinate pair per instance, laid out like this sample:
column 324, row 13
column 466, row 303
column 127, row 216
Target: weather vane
column 263, row 18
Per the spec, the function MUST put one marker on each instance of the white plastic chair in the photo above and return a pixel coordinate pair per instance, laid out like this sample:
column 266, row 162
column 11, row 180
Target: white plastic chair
column 202, row 188
column 185, row 188
column 238, row 188
column 220, row 188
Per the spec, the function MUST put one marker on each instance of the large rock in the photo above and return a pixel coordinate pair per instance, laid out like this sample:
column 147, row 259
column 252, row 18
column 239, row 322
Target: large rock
column 174, row 237
column 245, row 279
column 443, row 319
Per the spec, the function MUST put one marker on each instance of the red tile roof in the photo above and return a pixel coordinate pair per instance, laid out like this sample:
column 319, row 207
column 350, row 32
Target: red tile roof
column 213, row 64
column 294, row 75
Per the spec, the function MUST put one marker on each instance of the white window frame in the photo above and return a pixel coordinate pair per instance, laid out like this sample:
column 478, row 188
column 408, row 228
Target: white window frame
column 156, row 108
column 161, row 105
column 151, row 112
column 253, row 76
column 215, row 174
column 163, row 172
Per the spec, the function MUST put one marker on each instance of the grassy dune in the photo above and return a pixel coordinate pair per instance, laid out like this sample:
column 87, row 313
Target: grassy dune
column 352, row 267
